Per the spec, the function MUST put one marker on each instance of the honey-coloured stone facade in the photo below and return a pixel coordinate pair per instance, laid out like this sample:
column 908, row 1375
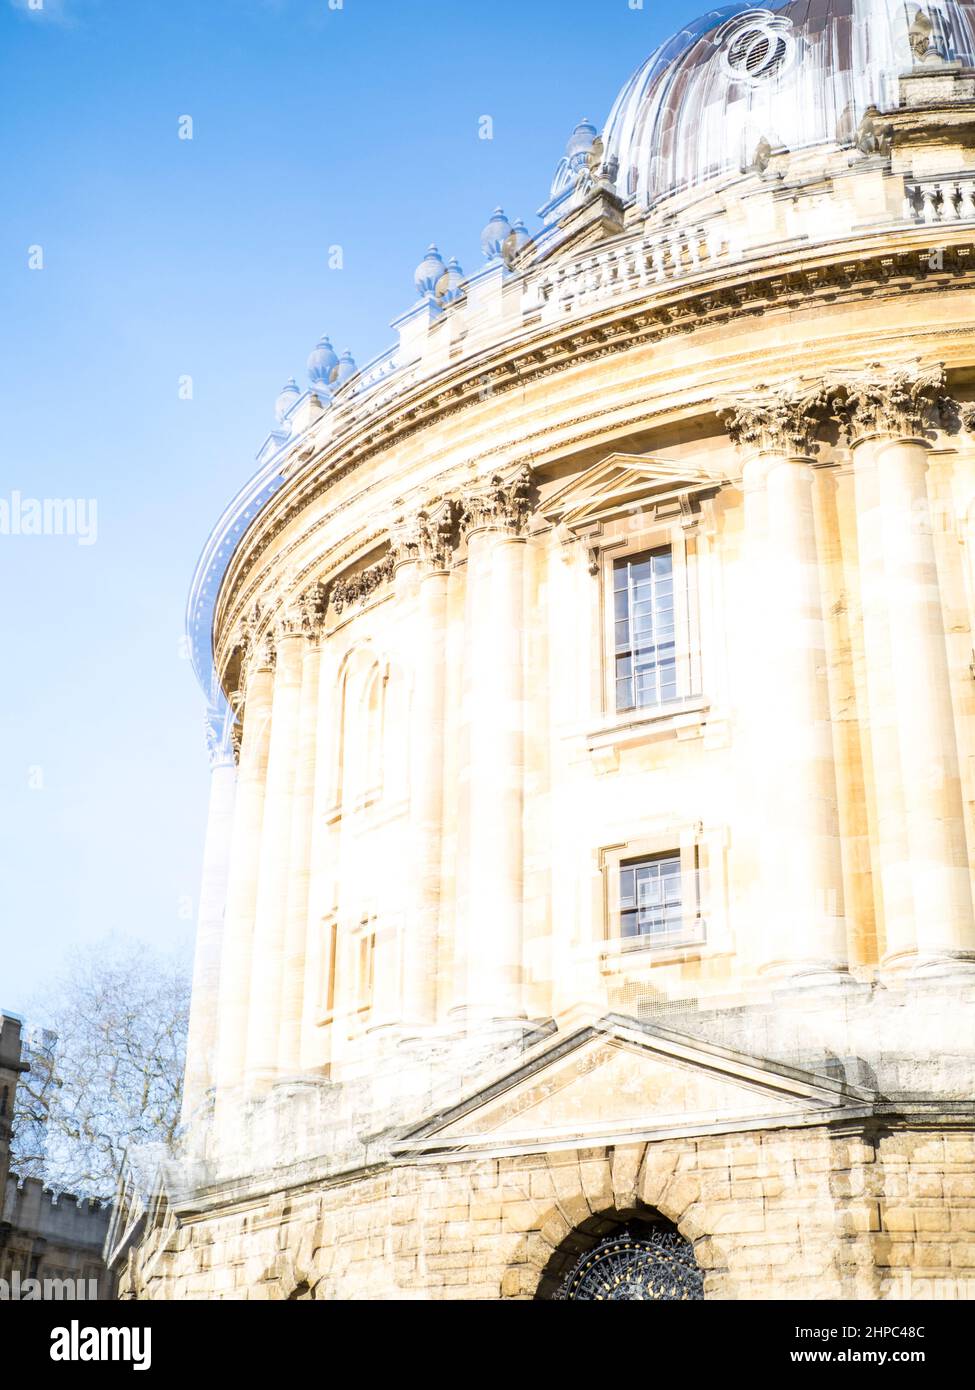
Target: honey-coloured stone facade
column 429, row 1055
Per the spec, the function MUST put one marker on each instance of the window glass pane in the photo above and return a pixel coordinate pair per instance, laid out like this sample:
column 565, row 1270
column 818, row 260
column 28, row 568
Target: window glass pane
column 644, row 627
column 651, row 901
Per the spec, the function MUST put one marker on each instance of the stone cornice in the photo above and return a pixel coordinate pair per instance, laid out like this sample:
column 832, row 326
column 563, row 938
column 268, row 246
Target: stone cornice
column 886, row 270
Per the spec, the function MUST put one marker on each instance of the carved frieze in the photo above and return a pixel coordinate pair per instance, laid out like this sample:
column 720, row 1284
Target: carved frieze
column 345, row 592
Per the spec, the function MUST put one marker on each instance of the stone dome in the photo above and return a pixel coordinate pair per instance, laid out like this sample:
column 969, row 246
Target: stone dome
column 794, row 76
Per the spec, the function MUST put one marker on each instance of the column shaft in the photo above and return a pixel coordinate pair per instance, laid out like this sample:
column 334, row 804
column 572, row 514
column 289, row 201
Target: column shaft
column 320, row 967
column 496, row 611
column 236, row 956
column 270, row 923
column 939, row 878
column 893, row 856
column 804, row 927
column 201, row 1046
column 426, row 799
column 299, row 860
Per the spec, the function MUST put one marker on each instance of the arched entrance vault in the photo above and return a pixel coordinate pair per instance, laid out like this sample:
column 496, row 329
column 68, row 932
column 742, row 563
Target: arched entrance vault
column 631, row 1255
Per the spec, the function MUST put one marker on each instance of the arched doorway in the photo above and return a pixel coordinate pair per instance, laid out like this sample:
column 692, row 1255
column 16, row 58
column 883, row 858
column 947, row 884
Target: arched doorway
column 625, row 1258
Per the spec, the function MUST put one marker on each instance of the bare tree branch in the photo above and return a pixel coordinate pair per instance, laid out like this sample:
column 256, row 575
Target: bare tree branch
column 107, row 1072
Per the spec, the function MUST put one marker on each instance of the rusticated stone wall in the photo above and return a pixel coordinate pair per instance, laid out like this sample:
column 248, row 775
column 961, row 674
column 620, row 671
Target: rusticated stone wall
column 777, row 1214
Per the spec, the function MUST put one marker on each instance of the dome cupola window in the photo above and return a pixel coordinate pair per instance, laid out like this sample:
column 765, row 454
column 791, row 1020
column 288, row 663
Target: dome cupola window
column 760, row 49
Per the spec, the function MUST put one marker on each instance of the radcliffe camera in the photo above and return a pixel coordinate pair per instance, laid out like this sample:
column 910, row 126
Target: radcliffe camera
column 488, row 531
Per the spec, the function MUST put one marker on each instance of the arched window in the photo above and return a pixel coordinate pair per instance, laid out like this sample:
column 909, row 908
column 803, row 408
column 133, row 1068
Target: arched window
column 373, row 744
column 359, row 751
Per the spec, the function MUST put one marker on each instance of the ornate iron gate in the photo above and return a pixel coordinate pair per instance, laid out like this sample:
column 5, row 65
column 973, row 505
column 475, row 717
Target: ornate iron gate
column 649, row 1265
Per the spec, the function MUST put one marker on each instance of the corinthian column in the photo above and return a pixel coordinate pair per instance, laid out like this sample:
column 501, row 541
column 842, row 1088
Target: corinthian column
column 426, row 544
column 236, row 956
column 495, row 520
column 264, row 1019
column 201, row 1045
column 795, row 830
column 322, row 940
column 302, row 819
column 891, row 414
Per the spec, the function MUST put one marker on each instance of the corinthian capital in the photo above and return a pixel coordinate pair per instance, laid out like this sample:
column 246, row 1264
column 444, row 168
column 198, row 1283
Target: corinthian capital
column 311, row 610
column 426, row 537
column 262, row 653
column 781, row 419
column 287, row 623
column 500, row 504
column 893, row 402
column 220, row 724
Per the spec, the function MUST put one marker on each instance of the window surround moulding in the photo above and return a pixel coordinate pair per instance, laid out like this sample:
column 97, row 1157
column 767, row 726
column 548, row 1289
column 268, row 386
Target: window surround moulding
column 369, row 811
column 685, row 717
column 354, row 809
column 361, row 940
column 703, row 855
column 623, row 484
column 330, row 936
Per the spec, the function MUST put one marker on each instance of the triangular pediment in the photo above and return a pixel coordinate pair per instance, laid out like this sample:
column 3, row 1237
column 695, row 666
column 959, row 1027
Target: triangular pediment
column 620, row 482
column 619, row 1080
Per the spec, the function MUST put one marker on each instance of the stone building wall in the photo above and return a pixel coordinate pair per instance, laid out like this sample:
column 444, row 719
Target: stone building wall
column 774, row 1215
column 10, row 1069
column 412, row 646
column 43, row 1235
column 53, row 1236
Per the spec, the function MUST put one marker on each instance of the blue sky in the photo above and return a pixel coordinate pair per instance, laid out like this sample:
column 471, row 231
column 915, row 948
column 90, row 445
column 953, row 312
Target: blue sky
column 165, row 258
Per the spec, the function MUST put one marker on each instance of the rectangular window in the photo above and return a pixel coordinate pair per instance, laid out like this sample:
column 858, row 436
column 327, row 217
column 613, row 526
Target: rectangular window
column 646, row 656
column 333, row 944
column 652, row 910
column 367, row 958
